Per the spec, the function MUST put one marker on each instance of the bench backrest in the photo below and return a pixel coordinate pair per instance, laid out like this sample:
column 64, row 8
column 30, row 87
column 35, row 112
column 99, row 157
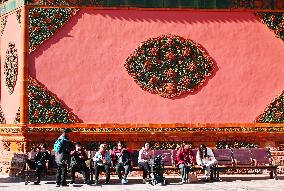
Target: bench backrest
column 261, row 156
column 223, row 156
column 167, row 154
column 242, row 156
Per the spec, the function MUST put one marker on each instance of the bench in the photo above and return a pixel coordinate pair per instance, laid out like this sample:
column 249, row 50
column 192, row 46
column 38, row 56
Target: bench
column 239, row 159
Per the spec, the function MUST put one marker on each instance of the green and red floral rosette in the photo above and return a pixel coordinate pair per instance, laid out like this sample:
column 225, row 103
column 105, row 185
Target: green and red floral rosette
column 169, row 65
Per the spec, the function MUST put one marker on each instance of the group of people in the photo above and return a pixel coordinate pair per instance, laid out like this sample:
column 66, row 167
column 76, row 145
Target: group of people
column 119, row 157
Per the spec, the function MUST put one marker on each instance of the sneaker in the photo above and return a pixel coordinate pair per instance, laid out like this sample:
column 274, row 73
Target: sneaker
column 96, row 182
column 36, row 183
column 57, row 185
column 144, row 181
column 64, row 184
column 72, row 182
column 106, row 182
column 124, row 181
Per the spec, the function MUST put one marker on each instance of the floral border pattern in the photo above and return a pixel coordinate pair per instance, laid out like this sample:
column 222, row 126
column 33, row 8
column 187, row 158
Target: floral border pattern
column 3, row 24
column 274, row 21
column 45, row 22
column 19, row 16
column 169, row 65
column 2, row 117
column 273, row 113
column 11, row 67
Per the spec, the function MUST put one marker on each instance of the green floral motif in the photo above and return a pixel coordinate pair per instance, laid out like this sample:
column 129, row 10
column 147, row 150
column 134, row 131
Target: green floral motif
column 45, row 107
column 11, row 67
column 274, row 113
column 2, row 117
column 274, row 21
column 44, row 22
column 169, row 65
column 17, row 118
column 235, row 145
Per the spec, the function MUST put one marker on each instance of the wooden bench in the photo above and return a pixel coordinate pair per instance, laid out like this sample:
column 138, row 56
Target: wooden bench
column 238, row 159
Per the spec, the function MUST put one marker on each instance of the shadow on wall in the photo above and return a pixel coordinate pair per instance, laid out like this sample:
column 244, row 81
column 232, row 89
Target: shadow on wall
column 140, row 16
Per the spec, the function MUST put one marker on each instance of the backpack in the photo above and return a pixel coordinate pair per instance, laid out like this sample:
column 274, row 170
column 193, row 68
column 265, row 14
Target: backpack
column 58, row 145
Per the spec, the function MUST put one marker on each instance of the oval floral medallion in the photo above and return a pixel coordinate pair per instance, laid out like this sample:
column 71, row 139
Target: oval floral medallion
column 169, row 65
column 11, row 67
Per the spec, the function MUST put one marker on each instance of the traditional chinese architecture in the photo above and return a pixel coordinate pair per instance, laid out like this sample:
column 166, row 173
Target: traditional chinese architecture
column 135, row 70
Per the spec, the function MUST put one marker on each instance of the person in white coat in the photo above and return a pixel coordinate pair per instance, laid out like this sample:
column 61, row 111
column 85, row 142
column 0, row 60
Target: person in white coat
column 205, row 158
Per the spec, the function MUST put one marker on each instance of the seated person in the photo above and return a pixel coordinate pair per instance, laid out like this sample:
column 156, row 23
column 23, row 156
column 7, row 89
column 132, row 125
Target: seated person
column 122, row 161
column 205, row 158
column 38, row 163
column 185, row 161
column 102, row 161
column 78, row 158
column 145, row 155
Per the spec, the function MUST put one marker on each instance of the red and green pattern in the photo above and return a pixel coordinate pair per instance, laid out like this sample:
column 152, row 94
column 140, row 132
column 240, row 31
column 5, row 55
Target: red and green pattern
column 11, row 67
column 44, row 22
column 2, row 117
column 169, row 65
column 44, row 107
column 274, row 21
column 274, row 113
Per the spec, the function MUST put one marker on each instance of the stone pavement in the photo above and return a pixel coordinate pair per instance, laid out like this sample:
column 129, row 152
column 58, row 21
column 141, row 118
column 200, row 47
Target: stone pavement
column 228, row 183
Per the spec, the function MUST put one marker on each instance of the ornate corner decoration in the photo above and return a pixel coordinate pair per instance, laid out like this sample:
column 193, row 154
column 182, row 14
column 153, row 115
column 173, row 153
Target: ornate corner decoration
column 11, row 67
column 169, row 65
column 17, row 117
column 274, row 112
column 3, row 24
column 19, row 16
column 2, row 117
column 274, row 21
column 44, row 107
column 45, row 22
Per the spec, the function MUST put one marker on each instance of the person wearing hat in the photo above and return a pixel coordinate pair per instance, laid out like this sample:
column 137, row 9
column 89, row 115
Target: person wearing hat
column 62, row 148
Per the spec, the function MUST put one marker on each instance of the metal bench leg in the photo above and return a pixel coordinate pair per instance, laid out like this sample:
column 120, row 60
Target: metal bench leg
column 271, row 174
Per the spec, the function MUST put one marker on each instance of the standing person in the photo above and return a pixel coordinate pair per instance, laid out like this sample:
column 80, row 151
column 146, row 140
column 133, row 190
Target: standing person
column 205, row 158
column 185, row 161
column 62, row 149
column 78, row 163
column 41, row 158
column 145, row 155
column 122, row 161
column 102, row 161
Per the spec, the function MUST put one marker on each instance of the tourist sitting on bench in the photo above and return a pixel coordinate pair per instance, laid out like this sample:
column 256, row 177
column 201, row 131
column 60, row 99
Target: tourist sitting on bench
column 41, row 158
column 102, row 161
column 185, row 161
column 122, row 161
column 78, row 158
column 145, row 155
column 205, row 158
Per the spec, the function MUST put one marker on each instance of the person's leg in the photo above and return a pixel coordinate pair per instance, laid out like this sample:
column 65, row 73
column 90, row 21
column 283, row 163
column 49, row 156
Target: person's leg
column 64, row 174
column 126, row 171
column 97, row 172
column 85, row 172
column 59, row 174
column 118, row 170
column 39, row 169
column 107, row 169
column 182, row 172
column 142, row 166
column 72, row 172
column 148, row 169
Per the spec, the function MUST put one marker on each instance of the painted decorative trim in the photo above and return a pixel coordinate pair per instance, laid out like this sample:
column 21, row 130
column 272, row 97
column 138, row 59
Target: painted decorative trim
column 2, row 117
column 169, row 65
column 11, row 67
column 44, row 107
column 45, row 22
column 158, row 130
column 19, row 16
column 274, row 21
column 3, row 24
column 235, row 144
column 274, row 112
column 7, row 130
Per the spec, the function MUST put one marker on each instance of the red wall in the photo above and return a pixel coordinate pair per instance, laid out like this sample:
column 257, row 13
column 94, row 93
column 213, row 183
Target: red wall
column 10, row 103
column 83, row 65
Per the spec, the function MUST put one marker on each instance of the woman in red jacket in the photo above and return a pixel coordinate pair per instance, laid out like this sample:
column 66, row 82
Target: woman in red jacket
column 185, row 161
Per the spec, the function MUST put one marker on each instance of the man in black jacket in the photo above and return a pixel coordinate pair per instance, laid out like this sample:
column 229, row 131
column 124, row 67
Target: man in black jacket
column 122, row 160
column 78, row 163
